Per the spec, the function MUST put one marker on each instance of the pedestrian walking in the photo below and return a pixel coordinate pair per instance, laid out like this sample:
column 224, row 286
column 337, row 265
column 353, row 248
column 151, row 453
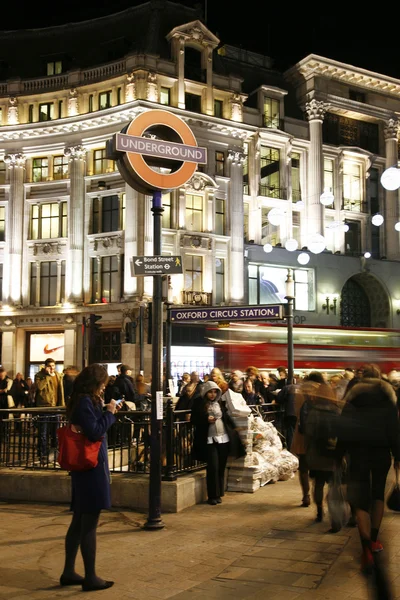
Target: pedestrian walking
column 215, row 438
column 90, row 489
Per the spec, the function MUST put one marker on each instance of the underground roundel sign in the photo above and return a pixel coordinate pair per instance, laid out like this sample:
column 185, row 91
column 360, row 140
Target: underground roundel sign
column 157, row 151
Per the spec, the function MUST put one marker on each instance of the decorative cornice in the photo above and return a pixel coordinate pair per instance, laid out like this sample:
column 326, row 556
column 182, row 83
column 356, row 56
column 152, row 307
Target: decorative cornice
column 316, row 110
column 48, row 248
column 75, row 152
column 391, row 129
column 201, row 181
column 106, row 242
column 236, row 156
column 15, row 160
column 195, row 242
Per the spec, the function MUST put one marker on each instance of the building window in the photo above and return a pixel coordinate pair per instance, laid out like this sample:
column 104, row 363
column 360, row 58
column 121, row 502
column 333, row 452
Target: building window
column 296, row 227
column 165, row 96
column 63, row 297
column 30, row 113
column 342, row 131
column 46, row 111
column 271, row 113
column 48, row 221
column 220, row 163
column 99, row 161
column 352, row 187
column 40, row 169
column 296, row 186
column 193, row 102
column 328, row 175
column 107, row 348
column 2, row 223
column 270, row 179
column 352, row 238
column 2, row 172
column 90, row 102
column 33, row 284
column 54, row 67
column 193, row 273
column 119, row 95
column 48, row 283
column 166, row 216
column 1, row 282
column 60, row 167
column 373, row 197
column 60, row 109
column 219, row 280
column 108, row 213
column 1, row 116
column 270, row 234
column 218, row 108
column 267, row 286
column 105, row 279
column 105, row 100
column 219, row 216
column 246, row 169
column 194, row 213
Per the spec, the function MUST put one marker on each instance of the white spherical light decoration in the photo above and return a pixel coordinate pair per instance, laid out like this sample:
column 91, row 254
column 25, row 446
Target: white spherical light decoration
column 276, row 216
column 397, row 226
column 291, row 245
column 345, row 227
column 316, row 243
column 377, row 220
column 390, row 178
column 327, row 198
column 367, row 254
column 299, row 204
column 267, row 248
column 303, row 258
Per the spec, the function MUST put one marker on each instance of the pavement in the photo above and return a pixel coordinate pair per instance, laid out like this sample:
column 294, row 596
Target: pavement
column 252, row 546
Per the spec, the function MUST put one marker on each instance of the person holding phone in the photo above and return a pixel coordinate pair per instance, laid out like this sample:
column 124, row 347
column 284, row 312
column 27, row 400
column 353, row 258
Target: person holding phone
column 91, row 490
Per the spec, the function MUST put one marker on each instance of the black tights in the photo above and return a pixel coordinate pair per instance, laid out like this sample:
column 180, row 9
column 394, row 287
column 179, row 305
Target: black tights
column 82, row 532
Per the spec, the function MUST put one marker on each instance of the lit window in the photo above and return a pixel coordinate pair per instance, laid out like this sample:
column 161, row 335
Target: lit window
column 48, row 283
column 219, row 281
column 193, row 273
column 99, row 161
column 270, row 234
column 90, row 102
column 2, row 223
column 54, row 67
column 40, row 169
column 166, row 216
column 271, row 112
column 105, row 100
column 46, row 111
column 270, row 178
column 2, row 171
column 194, row 213
column 246, row 169
column 165, row 96
column 220, row 163
column 328, row 175
column 267, row 285
column 60, row 167
column 296, row 187
column 352, row 187
column 219, row 216
column 48, row 221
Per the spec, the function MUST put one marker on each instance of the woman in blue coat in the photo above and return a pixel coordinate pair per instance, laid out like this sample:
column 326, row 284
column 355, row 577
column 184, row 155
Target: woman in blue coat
column 90, row 489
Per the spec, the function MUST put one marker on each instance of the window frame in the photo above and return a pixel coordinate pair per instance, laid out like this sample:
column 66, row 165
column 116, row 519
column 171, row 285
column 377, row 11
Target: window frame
column 64, row 163
column 193, row 270
column 194, row 213
column 220, row 217
column 98, row 213
column 61, row 218
column 50, row 111
column 42, row 167
column 165, row 90
column 220, row 162
column 108, row 94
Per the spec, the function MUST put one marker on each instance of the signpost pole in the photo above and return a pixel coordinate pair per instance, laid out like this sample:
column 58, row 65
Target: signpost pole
column 154, row 520
column 289, row 320
column 168, row 343
column 141, row 338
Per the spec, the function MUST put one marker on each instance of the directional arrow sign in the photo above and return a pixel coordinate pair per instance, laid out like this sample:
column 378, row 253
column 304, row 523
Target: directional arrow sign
column 155, row 265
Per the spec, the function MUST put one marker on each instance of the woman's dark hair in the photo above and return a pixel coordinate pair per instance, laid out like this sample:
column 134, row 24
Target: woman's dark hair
column 87, row 383
column 371, row 371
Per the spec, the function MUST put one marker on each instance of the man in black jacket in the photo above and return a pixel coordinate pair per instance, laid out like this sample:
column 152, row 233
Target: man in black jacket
column 125, row 386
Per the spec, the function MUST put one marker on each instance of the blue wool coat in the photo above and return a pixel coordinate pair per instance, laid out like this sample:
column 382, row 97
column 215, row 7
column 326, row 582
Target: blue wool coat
column 91, row 489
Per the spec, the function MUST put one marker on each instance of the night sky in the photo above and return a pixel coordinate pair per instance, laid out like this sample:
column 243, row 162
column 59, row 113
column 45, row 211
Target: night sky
column 368, row 39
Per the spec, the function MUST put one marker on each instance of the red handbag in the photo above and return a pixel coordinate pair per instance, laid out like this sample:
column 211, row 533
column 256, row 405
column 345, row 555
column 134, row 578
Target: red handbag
column 75, row 451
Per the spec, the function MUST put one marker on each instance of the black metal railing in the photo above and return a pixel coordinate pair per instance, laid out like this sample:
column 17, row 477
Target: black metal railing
column 28, row 439
column 271, row 191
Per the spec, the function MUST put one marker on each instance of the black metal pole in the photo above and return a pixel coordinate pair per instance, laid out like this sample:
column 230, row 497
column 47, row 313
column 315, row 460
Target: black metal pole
column 83, row 342
column 168, row 343
column 154, row 520
column 289, row 320
column 141, row 339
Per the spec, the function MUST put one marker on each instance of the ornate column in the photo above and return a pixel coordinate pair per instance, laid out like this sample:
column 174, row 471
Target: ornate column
column 76, row 215
column 16, row 167
column 236, row 261
column 209, row 70
column 131, row 242
column 391, row 212
column 315, row 211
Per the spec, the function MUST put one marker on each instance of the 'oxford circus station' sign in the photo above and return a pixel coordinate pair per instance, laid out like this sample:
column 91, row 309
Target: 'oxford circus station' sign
column 157, row 151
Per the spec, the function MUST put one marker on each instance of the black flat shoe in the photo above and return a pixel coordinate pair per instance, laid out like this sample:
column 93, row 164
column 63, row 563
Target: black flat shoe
column 71, row 580
column 212, row 501
column 94, row 587
column 219, row 501
column 306, row 501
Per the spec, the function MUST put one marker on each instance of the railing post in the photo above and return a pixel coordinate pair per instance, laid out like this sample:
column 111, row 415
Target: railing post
column 170, row 467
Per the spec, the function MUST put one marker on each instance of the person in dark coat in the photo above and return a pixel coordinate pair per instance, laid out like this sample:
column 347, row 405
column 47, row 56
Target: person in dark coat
column 190, row 393
column 90, row 489
column 124, row 383
column 369, row 430
column 215, row 438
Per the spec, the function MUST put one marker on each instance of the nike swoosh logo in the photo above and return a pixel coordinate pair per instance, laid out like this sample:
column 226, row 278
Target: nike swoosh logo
column 48, row 350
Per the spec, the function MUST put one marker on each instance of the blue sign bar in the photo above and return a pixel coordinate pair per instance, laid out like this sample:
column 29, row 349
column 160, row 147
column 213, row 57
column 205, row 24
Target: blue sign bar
column 228, row 313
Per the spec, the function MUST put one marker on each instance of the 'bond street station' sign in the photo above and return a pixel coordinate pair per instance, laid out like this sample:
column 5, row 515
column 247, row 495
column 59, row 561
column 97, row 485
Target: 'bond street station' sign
column 227, row 313
column 154, row 139
column 156, row 265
